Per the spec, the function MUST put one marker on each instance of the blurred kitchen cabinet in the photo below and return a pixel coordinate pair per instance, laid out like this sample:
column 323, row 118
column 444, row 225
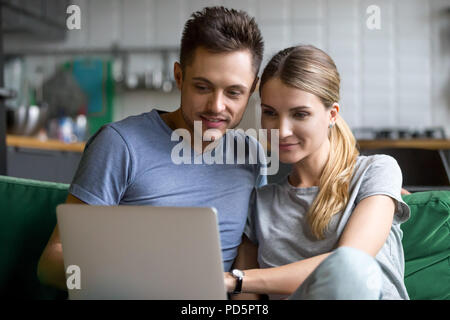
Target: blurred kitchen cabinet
column 33, row 6
column 56, row 10
column 45, row 165
column 44, row 19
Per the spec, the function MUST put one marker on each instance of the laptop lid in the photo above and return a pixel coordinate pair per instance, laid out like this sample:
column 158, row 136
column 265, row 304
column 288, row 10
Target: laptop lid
column 141, row 252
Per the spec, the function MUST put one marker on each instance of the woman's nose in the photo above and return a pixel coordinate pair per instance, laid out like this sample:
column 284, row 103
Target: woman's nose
column 285, row 128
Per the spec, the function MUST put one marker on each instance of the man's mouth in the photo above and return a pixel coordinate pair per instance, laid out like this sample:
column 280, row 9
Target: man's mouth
column 213, row 122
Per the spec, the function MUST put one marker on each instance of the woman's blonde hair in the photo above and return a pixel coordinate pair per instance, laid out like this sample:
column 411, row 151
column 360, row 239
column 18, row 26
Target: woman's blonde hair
column 309, row 69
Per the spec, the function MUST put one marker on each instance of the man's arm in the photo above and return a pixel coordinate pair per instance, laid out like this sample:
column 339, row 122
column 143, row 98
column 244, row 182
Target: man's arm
column 50, row 269
column 246, row 259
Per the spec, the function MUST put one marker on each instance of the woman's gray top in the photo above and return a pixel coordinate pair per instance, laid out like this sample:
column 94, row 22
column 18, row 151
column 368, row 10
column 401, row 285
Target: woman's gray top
column 277, row 221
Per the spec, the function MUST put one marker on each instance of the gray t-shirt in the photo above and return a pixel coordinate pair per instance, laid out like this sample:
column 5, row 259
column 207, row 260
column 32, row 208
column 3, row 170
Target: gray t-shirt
column 277, row 221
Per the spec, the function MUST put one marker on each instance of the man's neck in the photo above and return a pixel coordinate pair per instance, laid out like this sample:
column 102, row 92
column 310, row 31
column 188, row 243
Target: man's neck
column 174, row 120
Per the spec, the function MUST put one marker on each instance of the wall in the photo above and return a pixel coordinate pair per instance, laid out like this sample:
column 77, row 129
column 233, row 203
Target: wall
column 396, row 76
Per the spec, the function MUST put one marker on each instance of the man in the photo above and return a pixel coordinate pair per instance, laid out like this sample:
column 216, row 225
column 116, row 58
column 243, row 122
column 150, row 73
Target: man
column 129, row 162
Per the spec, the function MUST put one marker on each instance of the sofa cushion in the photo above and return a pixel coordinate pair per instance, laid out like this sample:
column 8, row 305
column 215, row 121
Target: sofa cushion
column 27, row 219
column 426, row 243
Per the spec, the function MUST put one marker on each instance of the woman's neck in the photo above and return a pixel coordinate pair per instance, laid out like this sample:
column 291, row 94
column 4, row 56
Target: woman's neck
column 307, row 172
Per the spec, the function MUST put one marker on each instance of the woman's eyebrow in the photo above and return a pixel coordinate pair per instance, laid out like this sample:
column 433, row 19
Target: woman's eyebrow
column 291, row 109
column 300, row 108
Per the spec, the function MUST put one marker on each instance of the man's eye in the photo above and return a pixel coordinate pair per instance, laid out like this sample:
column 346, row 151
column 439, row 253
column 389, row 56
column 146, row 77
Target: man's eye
column 234, row 94
column 201, row 88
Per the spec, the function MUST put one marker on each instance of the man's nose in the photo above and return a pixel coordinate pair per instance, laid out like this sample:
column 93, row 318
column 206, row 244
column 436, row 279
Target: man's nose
column 216, row 103
column 285, row 128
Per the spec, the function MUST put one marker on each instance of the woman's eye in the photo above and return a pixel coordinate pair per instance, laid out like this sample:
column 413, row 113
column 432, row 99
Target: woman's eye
column 268, row 113
column 301, row 115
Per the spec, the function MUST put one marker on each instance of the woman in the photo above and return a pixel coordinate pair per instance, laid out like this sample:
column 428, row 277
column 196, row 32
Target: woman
column 331, row 229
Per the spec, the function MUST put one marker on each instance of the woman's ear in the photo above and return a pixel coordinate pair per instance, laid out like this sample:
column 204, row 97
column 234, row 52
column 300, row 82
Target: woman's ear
column 178, row 74
column 334, row 111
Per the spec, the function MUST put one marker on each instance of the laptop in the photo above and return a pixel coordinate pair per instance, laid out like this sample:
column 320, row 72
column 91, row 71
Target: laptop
column 141, row 252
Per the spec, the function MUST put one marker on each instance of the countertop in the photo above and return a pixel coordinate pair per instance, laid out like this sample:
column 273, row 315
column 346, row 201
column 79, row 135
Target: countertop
column 53, row 144
column 50, row 144
column 430, row 144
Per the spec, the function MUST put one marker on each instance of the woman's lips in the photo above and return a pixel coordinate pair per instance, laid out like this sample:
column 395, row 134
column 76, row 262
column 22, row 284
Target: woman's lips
column 287, row 146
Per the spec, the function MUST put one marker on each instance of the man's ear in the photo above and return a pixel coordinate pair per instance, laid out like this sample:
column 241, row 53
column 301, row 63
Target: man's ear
column 255, row 82
column 178, row 74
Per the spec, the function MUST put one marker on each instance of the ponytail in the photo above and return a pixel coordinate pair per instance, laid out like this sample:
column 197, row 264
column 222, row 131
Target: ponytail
column 335, row 179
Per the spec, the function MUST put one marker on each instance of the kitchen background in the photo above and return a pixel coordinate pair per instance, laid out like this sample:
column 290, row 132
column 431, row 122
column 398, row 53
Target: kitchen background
column 395, row 81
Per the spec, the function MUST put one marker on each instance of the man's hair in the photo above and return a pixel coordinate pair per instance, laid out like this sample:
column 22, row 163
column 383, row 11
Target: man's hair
column 218, row 29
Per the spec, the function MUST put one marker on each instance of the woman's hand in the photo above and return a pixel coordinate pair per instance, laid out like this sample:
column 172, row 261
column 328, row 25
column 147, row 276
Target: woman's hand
column 230, row 281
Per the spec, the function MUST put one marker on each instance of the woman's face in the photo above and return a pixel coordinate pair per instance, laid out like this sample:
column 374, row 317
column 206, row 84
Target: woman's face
column 300, row 116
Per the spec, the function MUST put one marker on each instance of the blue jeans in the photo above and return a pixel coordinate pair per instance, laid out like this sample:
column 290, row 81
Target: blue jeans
column 346, row 274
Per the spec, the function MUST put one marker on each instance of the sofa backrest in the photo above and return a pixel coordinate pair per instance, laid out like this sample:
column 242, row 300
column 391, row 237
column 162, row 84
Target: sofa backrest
column 27, row 219
column 426, row 243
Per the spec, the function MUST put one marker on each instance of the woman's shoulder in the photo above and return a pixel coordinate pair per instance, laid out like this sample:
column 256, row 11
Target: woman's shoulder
column 376, row 174
column 375, row 162
column 375, row 158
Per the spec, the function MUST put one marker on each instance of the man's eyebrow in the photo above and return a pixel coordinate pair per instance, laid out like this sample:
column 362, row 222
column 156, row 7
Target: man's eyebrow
column 234, row 86
column 291, row 109
column 202, row 79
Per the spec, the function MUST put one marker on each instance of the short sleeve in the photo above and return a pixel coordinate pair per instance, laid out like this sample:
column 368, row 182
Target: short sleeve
column 384, row 177
column 261, row 180
column 249, row 229
column 104, row 170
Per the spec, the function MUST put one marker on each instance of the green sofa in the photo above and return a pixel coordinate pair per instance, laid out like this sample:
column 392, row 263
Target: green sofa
column 27, row 218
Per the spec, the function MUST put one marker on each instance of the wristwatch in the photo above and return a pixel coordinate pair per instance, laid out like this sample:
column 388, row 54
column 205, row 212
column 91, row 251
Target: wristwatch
column 239, row 276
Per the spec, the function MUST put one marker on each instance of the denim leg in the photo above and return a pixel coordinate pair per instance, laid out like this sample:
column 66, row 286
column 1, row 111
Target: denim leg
column 347, row 274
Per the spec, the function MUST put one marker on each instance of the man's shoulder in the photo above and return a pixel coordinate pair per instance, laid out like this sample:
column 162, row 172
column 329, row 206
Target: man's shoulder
column 129, row 130
column 132, row 122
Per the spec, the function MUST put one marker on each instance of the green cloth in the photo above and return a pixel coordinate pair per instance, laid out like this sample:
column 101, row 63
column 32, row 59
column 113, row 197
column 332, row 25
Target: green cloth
column 27, row 219
column 426, row 243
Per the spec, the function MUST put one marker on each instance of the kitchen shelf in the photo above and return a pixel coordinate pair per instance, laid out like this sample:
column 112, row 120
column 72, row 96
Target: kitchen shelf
column 112, row 50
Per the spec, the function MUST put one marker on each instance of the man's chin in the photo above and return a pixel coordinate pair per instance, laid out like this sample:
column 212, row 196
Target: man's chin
column 212, row 134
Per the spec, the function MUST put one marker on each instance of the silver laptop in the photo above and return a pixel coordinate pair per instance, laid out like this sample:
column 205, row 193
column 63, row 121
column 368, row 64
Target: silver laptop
column 141, row 252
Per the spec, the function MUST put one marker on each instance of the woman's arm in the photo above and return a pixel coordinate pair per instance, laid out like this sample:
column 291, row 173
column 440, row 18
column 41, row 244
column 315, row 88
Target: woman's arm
column 369, row 225
column 367, row 230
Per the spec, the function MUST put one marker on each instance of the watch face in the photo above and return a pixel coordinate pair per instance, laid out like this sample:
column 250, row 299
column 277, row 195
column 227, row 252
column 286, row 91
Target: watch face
column 237, row 273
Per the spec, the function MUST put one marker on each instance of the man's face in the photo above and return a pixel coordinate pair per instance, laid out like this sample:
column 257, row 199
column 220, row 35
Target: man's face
column 215, row 89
